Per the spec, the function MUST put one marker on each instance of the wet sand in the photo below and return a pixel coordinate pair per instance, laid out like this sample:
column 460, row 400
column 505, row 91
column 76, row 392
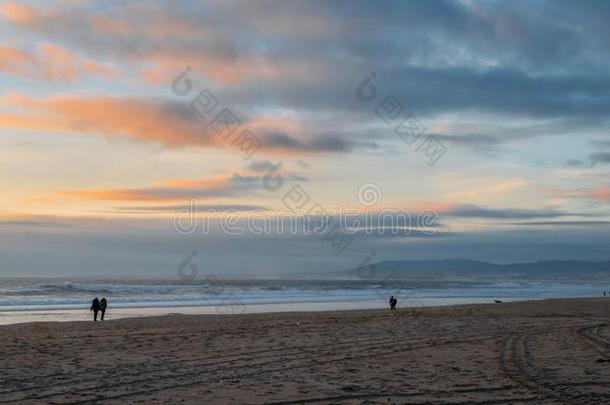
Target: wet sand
column 553, row 351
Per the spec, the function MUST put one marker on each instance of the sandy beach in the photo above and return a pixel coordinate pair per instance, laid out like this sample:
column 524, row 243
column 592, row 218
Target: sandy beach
column 553, row 351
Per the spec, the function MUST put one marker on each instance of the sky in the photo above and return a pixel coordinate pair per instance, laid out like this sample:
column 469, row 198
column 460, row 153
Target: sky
column 485, row 121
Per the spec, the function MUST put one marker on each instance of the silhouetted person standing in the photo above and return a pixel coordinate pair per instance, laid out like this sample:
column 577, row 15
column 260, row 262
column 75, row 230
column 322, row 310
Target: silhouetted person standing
column 95, row 307
column 103, row 306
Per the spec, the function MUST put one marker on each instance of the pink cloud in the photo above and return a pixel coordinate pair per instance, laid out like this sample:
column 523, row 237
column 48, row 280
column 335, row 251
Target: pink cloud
column 601, row 194
column 130, row 118
column 215, row 187
column 172, row 124
column 51, row 63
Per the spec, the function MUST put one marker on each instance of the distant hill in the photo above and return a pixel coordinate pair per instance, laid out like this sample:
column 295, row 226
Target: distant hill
column 463, row 268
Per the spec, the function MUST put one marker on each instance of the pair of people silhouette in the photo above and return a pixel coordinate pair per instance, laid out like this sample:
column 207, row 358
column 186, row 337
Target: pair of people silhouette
column 98, row 306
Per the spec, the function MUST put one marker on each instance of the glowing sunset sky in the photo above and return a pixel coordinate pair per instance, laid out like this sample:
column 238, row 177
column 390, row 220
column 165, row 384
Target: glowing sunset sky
column 98, row 151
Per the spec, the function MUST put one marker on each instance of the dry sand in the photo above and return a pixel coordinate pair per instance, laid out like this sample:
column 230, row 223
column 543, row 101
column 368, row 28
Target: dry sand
column 555, row 351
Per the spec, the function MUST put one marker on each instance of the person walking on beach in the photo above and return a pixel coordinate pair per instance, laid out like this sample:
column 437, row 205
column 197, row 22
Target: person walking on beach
column 103, row 305
column 393, row 302
column 95, row 307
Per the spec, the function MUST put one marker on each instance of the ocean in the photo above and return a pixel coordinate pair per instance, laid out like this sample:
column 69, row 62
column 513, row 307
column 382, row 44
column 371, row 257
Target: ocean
column 29, row 300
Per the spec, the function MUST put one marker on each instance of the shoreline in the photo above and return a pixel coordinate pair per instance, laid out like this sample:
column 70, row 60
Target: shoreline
column 19, row 316
column 213, row 311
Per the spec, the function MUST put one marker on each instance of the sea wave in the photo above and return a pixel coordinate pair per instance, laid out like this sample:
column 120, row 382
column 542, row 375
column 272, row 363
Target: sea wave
column 72, row 294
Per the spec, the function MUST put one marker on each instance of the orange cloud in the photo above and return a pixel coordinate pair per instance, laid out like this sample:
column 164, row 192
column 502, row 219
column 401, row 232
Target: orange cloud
column 16, row 61
column 220, row 186
column 173, row 124
column 111, row 26
column 61, row 64
column 163, row 43
column 51, row 63
column 219, row 68
column 131, row 118
column 601, row 194
column 26, row 15
column 165, row 62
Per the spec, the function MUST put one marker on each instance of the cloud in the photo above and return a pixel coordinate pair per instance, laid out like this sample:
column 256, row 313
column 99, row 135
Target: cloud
column 488, row 189
column 216, row 187
column 472, row 140
column 15, row 61
column 199, row 207
column 263, row 166
column 167, row 123
column 476, row 211
column 334, row 143
column 25, row 15
column 599, row 194
column 166, row 38
column 279, row 133
column 595, row 158
column 604, row 143
column 36, row 223
column 223, row 185
column 303, row 164
column 454, row 56
column 575, row 163
column 42, row 222
column 562, row 223
column 393, row 232
column 599, row 158
column 51, row 63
